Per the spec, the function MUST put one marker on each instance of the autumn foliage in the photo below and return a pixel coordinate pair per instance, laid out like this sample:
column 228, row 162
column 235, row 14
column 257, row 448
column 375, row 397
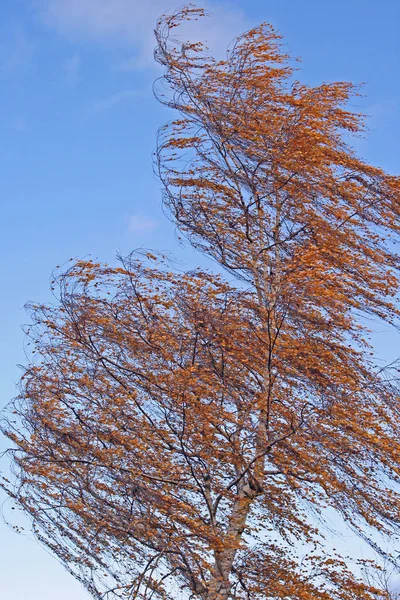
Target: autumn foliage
column 175, row 431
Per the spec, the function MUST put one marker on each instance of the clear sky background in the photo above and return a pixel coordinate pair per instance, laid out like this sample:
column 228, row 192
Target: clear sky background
column 78, row 123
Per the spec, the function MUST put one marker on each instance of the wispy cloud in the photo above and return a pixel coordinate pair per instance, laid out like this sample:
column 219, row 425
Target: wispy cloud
column 141, row 223
column 109, row 102
column 131, row 22
column 72, row 69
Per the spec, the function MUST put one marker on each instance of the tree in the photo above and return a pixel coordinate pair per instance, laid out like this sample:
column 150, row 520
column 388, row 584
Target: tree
column 175, row 430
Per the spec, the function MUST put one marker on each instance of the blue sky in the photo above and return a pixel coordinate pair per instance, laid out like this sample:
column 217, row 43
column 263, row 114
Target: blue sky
column 78, row 123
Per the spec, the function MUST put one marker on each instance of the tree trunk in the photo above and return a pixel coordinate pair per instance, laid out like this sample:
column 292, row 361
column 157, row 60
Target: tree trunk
column 220, row 585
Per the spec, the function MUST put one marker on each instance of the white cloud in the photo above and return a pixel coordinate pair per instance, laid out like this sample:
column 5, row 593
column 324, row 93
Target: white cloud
column 131, row 23
column 141, row 223
column 72, row 68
